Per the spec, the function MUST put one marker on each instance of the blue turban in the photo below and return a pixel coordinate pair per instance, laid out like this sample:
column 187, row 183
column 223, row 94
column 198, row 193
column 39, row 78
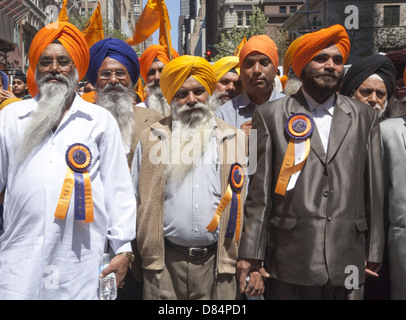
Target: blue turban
column 5, row 80
column 116, row 49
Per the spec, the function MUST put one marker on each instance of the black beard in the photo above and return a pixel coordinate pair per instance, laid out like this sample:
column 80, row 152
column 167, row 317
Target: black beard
column 316, row 89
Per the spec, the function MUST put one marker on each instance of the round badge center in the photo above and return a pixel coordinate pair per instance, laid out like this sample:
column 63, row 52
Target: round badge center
column 79, row 157
column 299, row 125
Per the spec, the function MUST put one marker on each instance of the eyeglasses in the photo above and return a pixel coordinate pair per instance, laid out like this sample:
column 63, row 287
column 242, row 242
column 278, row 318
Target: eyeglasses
column 106, row 74
column 63, row 64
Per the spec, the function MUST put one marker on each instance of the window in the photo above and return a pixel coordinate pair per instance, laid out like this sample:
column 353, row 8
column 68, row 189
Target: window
column 282, row 9
column 293, row 9
column 391, row 15
column 247, row 19
column 239, row 18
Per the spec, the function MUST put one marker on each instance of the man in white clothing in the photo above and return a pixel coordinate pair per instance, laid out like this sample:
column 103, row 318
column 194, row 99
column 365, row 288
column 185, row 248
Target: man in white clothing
column 68, row 191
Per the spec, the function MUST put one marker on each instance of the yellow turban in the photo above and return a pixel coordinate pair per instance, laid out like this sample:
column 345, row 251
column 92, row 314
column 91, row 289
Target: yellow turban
column 178, row 70
column 262, row 44
column 225, row 64
column 314, row 42
column 70, row 37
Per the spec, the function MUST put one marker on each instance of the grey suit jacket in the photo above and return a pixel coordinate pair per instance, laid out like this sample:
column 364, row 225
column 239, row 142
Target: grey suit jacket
column 394, row 148
column 333, row 217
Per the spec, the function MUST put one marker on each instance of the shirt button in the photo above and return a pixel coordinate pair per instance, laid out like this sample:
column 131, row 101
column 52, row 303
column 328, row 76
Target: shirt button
column 195, row 229
column 196, row 206
column 197, row 186
column 329, row 218
column 325, row 194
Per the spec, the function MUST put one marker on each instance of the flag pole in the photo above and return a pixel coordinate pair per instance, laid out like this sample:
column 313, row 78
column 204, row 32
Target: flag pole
column 167, row 40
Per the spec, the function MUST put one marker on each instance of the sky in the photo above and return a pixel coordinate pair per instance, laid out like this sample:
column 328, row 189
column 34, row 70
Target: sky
column 173, row 7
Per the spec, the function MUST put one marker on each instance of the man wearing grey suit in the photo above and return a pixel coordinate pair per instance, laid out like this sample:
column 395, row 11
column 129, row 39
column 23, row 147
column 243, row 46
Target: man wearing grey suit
column 314, row 209
column 394, row 149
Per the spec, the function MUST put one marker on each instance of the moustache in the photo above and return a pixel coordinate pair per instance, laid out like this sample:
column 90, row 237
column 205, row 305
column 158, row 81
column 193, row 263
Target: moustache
column 327, row 74
column 58, row 77
column 114, row 88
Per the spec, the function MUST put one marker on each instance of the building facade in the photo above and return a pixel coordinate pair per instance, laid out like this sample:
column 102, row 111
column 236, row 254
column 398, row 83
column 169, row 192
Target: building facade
column 374, row 26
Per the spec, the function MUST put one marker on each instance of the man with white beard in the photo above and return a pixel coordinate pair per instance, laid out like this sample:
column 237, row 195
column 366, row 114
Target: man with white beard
column 371, row 80
column 113, row 70
column 68, row 191
column 186, row 231
column 152, row 62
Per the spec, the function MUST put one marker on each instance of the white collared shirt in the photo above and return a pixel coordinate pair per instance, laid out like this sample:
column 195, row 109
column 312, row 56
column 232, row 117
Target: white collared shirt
column 322, row 115
column 189, row 209
column 240, row 109
column 43, row 257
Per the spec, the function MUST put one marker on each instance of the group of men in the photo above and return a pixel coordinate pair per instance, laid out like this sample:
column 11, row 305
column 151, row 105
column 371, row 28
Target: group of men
column 216, row 186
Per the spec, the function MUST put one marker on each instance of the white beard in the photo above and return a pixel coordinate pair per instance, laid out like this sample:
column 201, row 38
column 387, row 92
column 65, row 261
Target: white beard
column 120, row 104
column 50, row 110
column 189, row 140
column 157, row 101
column 381, row 111
column 218, row 99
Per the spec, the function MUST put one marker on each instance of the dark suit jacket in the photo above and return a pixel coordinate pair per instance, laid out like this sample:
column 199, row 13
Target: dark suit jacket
column 333, row 217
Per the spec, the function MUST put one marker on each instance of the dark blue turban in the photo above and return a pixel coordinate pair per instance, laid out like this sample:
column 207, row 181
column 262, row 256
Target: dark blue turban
column 5, row 80
column 116, row 49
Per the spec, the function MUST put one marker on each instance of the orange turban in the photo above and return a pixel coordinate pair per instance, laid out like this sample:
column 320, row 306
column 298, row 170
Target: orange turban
column 178, row 70
column 70, row 37
column 225, row 64
column 262, row 44
column 314, row 42
column 152, row 52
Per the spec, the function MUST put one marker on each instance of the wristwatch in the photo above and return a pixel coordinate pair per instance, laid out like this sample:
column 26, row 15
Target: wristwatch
column 129, row 255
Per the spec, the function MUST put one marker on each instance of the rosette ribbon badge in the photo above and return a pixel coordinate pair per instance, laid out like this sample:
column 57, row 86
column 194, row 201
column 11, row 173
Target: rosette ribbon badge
column 299, row 128
column 233, row 194
column 78, row 158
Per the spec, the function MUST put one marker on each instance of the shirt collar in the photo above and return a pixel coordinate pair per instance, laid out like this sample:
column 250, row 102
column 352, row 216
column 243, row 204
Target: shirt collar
column 246, row 101
column 313, row 104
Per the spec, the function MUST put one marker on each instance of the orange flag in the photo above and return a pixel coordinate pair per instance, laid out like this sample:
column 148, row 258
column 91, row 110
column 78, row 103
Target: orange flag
column 93, row 31
column 239, row 47
column 155, row 15
column 63, row 14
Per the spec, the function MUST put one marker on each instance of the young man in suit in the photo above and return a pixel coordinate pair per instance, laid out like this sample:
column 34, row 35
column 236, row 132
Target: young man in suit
column 313, row 211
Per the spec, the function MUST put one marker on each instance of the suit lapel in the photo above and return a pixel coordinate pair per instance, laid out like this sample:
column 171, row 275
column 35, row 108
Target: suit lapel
column 339, row 128
column 299, row 105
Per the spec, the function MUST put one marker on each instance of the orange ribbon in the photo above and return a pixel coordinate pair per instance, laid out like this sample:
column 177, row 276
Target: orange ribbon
column 289, row 167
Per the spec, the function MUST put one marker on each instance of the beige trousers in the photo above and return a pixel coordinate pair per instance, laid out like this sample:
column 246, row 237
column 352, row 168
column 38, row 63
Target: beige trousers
column 188, row 278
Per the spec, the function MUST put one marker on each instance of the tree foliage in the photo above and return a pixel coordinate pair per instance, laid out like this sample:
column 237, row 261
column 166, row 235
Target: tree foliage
column 231, row 39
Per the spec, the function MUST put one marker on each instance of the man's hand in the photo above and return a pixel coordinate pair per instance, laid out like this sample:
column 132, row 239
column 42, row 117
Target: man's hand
column 246, row 126
column 119, row 265
column 256, row 272
column 5, row 94
column 372, row 268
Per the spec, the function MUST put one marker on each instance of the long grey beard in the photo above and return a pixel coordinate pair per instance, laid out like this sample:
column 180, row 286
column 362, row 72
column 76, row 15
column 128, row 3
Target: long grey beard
column 120, row 104
column 189, row 140
column 50, row 110
column 157, row 101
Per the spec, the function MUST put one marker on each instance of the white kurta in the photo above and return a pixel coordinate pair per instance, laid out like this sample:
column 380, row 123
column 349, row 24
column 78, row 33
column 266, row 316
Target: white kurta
column 42, row 257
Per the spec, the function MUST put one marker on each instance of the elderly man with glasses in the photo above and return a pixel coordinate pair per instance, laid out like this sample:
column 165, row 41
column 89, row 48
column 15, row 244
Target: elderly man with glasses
column 68, row 191
column 114, row 69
